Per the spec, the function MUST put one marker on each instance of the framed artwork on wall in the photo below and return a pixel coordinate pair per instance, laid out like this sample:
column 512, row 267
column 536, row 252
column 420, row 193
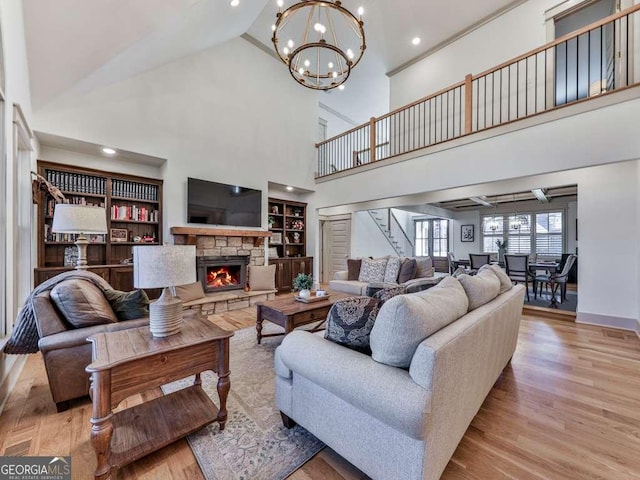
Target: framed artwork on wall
column 467, row 233
column 276, row 238
column 118, row 235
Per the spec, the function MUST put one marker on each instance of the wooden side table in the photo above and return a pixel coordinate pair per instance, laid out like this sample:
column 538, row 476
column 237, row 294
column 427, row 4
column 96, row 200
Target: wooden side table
column 131, row 361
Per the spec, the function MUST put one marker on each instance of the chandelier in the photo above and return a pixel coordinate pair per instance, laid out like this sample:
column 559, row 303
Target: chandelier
column 493, row 224
column 517, row 221
column 320, row 42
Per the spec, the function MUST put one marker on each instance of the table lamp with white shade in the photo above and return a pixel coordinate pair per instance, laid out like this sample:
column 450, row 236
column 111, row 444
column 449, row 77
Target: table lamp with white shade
column 164, row 266
column 80, row 219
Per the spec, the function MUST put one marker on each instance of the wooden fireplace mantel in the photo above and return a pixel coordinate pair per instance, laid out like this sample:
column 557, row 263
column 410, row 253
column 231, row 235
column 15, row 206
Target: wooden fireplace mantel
column 193, row 232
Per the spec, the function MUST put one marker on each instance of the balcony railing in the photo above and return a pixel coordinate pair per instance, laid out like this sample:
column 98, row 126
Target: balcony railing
column 597, row 59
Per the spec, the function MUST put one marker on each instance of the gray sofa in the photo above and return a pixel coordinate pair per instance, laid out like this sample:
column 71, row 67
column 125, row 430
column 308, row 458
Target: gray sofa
column 402, row 421
column 425, row 278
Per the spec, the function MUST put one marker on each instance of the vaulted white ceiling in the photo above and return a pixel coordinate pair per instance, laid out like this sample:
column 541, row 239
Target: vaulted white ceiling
column 75, row 46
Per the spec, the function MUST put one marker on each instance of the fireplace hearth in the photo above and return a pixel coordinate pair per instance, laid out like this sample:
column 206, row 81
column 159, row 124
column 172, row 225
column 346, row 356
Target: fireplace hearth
column 222, row 273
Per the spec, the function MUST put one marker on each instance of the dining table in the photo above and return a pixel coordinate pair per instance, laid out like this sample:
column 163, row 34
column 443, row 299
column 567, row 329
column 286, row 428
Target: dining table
column 551, row 268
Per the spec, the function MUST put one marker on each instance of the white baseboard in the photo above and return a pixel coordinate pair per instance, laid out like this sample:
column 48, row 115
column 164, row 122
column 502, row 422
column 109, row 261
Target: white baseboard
column 609, row 321
column 11, row 368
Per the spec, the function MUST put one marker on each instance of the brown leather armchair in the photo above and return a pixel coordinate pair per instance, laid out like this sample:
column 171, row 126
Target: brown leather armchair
column 65, row 349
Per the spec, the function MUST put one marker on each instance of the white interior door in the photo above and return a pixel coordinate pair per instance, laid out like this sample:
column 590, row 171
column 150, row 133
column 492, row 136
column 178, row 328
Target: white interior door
column 336, row 246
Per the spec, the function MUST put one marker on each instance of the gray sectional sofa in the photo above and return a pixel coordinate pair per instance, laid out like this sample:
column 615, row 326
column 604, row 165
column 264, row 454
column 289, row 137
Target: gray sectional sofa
column 356, row 282
column 401, row 412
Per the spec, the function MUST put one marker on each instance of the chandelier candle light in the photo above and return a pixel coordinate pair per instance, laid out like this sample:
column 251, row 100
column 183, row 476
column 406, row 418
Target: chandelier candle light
column 320, row 42
column 79, row 219
column 164, row 266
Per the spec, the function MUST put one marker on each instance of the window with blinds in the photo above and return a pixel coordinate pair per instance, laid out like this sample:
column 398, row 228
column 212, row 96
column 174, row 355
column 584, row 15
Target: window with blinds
column 545, row 236
column 519, row 234
column 549, row 232
column 492, row 230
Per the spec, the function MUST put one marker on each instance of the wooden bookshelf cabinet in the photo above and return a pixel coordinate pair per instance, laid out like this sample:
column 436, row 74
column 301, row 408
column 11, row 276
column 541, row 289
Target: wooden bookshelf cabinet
column 288, row 227
column 134, row 217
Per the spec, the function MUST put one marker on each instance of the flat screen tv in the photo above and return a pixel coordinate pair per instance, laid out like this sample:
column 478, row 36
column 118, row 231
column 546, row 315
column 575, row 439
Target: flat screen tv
column 221, row 204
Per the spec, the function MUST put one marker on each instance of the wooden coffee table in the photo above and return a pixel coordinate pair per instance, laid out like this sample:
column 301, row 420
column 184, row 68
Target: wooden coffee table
column 131, row 361
column 289, row 313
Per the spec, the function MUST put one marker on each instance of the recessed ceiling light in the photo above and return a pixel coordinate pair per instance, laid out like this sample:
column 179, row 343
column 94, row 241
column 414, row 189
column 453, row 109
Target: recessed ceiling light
column 108, row 151
column 340, row 87
column 289, row 189
column 235, row 3
column 416, row 41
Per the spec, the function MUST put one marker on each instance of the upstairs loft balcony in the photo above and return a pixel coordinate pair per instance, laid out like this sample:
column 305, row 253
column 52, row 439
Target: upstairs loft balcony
column 594, row 61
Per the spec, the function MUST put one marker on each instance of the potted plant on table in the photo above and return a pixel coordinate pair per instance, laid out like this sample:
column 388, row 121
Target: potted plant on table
column 303, row 283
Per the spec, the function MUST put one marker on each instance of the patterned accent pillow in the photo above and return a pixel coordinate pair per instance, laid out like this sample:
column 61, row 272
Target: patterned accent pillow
column 387, row 293
column 350, row 321
column 392, row 269
column 372, row 270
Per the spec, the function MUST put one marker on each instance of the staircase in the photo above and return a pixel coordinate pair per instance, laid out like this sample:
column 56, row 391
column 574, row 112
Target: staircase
column 392, row 231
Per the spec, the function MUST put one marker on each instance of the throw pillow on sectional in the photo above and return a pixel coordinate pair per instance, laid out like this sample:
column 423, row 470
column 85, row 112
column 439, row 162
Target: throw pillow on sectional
column 505, row 281
column 425, row 267
column 128, row 305
column 353, row 268
column 372, row 270
column 392, row 269
column 350, row 321
column 388, row 293
column 408, row 270
column 406, row 320
column 480, row 288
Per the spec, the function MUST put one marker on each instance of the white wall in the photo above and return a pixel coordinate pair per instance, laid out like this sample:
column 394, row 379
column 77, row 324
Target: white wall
column 98, row 162
column 366, row 238
column 210, row 115
column 336, row 123
column 461, row 249
column 609, row 249
column 514, row 33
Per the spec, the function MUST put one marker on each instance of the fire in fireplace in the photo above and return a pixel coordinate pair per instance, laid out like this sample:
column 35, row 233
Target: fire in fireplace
column 222, row 273
column 223, row 276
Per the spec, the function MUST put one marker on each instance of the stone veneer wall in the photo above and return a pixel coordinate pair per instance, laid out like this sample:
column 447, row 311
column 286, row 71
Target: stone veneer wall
column 219, row 246
column 229, row 246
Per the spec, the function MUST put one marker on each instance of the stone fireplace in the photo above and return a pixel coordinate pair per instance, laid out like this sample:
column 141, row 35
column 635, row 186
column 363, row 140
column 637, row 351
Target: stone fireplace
column 222, row 244
column 220, row 273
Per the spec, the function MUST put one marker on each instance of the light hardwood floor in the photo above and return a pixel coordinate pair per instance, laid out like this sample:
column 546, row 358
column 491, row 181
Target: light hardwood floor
column 568, row 407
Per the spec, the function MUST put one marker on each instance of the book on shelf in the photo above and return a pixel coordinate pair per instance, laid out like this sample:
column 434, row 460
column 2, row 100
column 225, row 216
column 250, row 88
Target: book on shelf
column 135, row 190
column 133, row 213
column 50, row 237
column 76, row 182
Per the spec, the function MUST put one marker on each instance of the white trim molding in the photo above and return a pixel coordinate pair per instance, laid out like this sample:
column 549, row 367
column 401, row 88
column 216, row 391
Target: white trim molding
column 25, row 134
column 609, row 321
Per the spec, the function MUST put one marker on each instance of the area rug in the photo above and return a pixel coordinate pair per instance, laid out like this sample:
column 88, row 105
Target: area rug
column 254, row 444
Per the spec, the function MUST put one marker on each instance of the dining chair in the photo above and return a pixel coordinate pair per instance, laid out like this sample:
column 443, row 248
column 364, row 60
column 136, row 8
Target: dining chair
column 452, row 263
column 476, row 260
column 517, row 267
column 559, row 278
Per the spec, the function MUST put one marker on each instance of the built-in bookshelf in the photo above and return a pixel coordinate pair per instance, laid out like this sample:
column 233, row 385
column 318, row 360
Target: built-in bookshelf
column 133, row 207
column 288, row 241
column 287, row 224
